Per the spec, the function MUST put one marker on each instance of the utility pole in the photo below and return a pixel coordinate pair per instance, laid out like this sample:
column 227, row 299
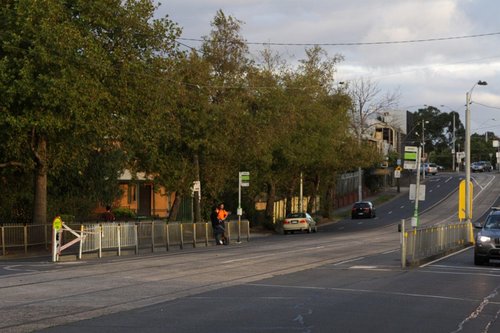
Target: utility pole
column 453, row 153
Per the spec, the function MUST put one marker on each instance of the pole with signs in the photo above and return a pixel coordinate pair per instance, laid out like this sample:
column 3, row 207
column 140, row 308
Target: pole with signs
column 244, row 181
column 397, row 175
column 56, row 237
column 414, row 219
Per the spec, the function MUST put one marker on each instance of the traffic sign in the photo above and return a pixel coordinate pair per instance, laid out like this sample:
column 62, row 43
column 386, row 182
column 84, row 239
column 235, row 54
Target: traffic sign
column 244, row 178
column 411, row 155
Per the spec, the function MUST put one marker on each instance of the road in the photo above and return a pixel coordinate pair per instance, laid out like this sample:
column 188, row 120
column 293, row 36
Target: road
column 345, row 278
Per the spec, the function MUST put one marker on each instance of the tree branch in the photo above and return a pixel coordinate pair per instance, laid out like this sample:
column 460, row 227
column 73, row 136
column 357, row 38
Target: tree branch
column 12, row 163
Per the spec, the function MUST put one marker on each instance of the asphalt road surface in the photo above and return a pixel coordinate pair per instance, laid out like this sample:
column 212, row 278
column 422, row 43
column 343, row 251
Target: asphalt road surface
column 345, row 278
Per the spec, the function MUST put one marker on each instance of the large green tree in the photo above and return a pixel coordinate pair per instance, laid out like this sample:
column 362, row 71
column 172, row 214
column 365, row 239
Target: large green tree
column 75, row 79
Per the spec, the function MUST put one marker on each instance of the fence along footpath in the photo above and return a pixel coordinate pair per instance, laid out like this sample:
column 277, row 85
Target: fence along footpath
column 423, row 244
column 99, row 238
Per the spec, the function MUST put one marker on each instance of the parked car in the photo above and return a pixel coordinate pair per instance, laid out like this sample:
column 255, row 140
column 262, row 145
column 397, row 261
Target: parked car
column 363, row 209
column 299, row 222
column 481, row 166
column 430, row 168
column 487, row 245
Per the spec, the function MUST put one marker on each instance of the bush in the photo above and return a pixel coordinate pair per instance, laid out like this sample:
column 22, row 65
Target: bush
column 122, row 213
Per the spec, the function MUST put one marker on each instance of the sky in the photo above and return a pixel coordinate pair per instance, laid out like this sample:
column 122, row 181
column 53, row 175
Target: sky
column 437, row 68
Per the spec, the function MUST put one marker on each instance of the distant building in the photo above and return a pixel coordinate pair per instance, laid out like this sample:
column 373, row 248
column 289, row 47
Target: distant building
column 142, row 196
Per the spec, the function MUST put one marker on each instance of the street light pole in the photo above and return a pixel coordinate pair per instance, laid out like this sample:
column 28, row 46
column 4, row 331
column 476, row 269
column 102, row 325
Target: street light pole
column 423, row 147
column 468, row 203
column 453, row 153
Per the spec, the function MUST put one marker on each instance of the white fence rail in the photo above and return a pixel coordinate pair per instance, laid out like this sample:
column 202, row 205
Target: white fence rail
column 423, row 244
column 142, row 236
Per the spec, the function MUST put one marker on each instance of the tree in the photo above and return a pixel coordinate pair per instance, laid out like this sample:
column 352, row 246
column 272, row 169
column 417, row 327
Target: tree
column 438, row 132
column 79, row 70
column 368, row 102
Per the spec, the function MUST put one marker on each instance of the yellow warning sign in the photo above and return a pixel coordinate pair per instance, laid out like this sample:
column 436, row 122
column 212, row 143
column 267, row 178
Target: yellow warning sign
column 57, row 223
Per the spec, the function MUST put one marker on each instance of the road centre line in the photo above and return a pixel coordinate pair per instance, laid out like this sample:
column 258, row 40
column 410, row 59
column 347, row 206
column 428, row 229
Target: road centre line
column 348, row 261
column 365, row 291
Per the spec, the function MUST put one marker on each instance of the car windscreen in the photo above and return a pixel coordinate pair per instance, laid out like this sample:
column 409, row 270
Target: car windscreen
column 295, row 215
column 493, row 222
column 362, row 205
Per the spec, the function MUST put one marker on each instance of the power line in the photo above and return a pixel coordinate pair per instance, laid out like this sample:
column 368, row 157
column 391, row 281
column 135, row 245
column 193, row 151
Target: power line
column 408, row 41
column 486, row 106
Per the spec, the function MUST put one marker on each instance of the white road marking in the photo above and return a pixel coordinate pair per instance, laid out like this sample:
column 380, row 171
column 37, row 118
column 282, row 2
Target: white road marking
column 348, row 261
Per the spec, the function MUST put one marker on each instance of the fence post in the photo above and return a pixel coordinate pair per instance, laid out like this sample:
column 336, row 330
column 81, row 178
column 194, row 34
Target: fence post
column 25, row 230
column 152, row 237
column 167, row 236
column 403, row 244
column 3, row 241
column 248, row 230
column 80, row 251
column 194, row 235
column 54, row 244
column 181, row 235
column 136, row 239
column 471, row 234
column 101, row 234
column 228, row 232
column 119, row 235
column 206, row 234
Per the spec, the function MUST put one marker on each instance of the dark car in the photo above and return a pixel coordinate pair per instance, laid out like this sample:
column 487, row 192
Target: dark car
column 487, row 245
column 363, row 209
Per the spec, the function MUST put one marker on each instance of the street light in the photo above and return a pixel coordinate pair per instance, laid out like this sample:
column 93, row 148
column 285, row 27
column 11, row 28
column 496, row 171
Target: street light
column 467, row 151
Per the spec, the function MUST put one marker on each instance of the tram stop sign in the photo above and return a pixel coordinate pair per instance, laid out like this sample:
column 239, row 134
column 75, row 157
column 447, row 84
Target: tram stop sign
column 411, row 156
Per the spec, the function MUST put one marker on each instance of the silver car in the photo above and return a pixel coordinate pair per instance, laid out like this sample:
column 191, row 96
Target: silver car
column 299, row 222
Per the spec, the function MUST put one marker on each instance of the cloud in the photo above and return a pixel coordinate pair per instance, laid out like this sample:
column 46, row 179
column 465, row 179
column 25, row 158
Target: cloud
column 433, row 72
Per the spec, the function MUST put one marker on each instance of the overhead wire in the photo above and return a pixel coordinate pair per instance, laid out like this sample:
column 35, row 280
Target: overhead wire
column 407, row 41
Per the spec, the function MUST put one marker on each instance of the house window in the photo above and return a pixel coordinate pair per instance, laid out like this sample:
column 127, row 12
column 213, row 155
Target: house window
column 132, row 191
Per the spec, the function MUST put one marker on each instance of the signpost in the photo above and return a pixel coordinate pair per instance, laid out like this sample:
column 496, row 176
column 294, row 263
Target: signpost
column 397, row 174
column 244, row 181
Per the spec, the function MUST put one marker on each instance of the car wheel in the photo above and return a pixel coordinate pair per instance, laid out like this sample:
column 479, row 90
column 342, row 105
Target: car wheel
column 478, row 260
column 285, row 232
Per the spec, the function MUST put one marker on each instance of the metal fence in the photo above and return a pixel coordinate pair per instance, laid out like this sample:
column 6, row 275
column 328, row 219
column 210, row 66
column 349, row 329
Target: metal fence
column 148, row 236
column 423, row 244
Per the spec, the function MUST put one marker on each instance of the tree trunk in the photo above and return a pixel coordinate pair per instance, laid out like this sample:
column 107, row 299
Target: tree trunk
column 174, row 211
column 40, row 200
column 328, row 205
column 271, row 197
column 312, row 199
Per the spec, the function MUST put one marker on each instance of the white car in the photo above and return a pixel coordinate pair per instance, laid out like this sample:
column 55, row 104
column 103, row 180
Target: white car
column 430, row 168
column 299, row 222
